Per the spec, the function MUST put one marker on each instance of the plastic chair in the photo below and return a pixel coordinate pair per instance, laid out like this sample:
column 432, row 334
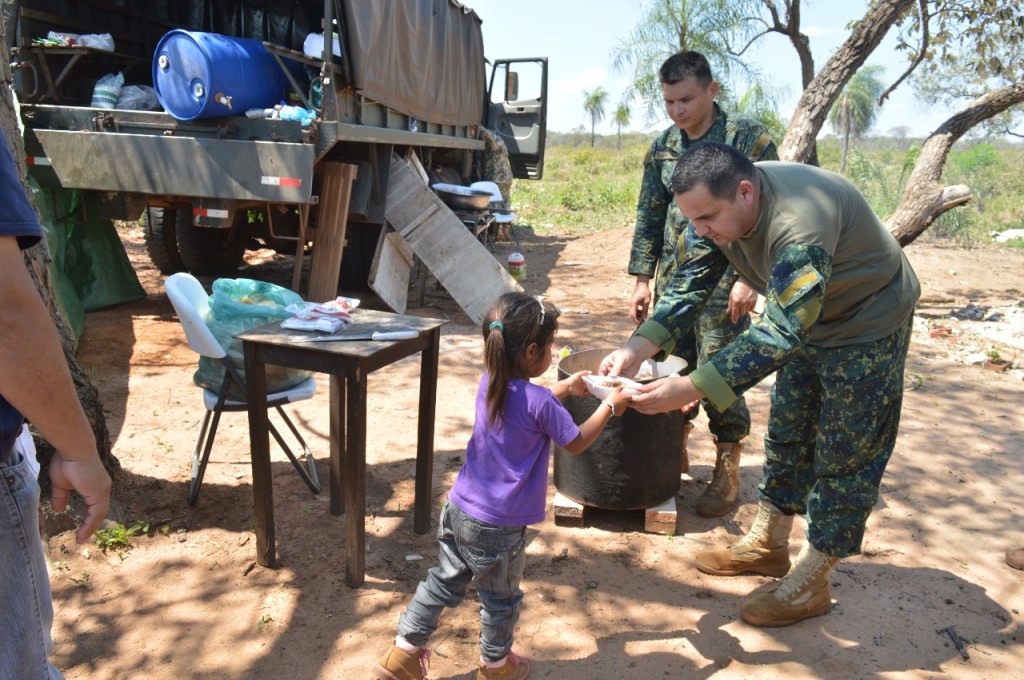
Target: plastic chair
column 502, row 215
column 192, row 305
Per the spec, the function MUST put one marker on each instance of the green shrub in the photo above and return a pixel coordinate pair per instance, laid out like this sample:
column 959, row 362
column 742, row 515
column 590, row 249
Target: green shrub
column 592, row 188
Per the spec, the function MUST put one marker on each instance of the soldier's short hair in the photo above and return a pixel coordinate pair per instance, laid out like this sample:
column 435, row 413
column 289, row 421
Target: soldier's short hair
column 682, row 65
column 719, row 167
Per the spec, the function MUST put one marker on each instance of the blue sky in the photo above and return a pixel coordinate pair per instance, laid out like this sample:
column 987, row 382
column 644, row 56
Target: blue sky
column 578, row 36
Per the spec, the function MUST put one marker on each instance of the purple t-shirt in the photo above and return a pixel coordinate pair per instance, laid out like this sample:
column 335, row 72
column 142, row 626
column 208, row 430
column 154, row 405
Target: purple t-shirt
column 504, row 480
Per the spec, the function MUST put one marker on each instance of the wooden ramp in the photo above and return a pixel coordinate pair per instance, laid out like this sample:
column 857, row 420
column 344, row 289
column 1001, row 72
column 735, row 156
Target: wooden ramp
column 462, row 264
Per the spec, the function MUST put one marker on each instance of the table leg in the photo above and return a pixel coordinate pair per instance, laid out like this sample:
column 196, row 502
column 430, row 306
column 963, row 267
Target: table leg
column 425, row 434
column 259, row 443
column 354, row 478
column 338, row 407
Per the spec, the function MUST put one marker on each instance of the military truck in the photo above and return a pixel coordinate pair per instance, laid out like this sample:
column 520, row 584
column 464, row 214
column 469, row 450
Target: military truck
column 398, row 76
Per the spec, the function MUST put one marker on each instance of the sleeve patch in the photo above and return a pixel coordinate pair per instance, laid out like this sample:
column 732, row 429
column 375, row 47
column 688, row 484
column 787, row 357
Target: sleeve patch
column 808, row 314
column 804, row 280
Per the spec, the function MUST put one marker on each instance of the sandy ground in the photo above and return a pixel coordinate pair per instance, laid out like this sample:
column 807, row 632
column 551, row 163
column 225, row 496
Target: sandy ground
column 604, row 601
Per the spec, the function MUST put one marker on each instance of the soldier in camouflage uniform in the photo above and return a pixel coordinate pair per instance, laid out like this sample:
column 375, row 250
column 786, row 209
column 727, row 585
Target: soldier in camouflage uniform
column 836, row 326
column 689, row 91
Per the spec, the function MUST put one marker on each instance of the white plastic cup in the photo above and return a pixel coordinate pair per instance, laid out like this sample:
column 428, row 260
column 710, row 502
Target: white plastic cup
column 517, row 266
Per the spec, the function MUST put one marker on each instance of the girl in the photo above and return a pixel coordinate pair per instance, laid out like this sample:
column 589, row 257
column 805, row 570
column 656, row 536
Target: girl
column 501, row 488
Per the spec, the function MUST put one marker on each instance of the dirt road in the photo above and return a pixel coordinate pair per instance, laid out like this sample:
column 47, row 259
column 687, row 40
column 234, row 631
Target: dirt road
column 187, row 602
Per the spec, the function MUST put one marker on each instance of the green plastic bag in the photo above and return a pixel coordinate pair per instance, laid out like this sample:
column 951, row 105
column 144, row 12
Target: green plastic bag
column 236, row 306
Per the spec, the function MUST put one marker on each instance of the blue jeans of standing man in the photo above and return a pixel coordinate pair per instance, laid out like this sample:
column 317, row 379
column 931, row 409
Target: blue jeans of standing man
column 26, row 610
column 471, row 551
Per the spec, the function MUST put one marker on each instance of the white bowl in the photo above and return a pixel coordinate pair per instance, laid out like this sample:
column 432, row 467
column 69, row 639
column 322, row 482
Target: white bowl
column 602, row 385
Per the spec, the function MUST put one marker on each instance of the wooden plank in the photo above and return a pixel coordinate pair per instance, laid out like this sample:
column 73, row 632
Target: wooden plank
column 467, row 270
column 391, row 270
column 300, row 246
column 331, row 223
column 568, row 513
column 661, row 519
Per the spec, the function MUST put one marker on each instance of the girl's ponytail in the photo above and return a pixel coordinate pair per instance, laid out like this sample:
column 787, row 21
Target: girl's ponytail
column 514, row 322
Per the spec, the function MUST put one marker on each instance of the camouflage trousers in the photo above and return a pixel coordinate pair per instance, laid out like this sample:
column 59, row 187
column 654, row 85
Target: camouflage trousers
column 715, row 331
column 834, row 417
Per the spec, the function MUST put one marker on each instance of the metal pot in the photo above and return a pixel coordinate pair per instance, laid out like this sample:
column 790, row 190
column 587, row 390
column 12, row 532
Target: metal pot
column 462, row 198
column 634, row 463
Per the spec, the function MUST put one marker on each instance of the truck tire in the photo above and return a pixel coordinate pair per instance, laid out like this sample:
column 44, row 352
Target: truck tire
column 160, row 233
column 208, row 251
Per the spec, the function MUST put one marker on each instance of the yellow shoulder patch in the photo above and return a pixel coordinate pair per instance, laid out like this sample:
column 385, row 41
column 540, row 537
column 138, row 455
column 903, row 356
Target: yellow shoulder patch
column 806, row 279
column 808, row 314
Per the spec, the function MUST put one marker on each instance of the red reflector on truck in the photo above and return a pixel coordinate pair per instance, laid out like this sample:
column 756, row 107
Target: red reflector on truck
column 208, row 212
column 281, row 181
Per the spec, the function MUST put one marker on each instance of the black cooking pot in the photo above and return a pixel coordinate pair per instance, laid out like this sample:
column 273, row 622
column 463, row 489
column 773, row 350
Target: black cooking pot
column 635, row 462
column 462, row 198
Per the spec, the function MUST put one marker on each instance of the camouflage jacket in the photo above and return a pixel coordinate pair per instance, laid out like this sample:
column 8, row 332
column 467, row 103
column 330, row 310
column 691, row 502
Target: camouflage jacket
column 659, row 223
column 830, row 272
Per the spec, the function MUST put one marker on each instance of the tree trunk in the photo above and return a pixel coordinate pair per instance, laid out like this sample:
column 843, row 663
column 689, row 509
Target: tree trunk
column 818, row 97
column 802, row 44
column 925, row 197
column 846, row 151
column 36, row 259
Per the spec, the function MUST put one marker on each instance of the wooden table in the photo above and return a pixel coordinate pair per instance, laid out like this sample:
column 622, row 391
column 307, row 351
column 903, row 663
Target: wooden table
column 348, row 363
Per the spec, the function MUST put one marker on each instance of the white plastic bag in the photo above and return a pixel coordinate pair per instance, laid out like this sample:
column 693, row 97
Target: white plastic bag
column 138, row 98
column 314, row 46
column 25, row 445
column 107, row 91
column 65, row 38
column 97, row 41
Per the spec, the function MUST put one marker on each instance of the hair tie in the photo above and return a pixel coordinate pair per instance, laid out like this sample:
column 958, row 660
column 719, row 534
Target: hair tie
column 496, row 324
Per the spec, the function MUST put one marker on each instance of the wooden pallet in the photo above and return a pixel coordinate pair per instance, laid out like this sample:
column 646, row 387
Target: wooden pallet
column 660, row 519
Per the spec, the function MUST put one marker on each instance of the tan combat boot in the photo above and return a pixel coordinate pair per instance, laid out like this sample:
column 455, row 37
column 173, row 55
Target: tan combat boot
column 803, row 593
column 1015, row 558
column 720, row 495
column 765, row 550
column 684, row 459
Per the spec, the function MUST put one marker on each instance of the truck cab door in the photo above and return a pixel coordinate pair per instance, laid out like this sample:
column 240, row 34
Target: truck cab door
column 517, row 112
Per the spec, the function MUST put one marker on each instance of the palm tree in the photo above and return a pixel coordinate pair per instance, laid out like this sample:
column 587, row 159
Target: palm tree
column 621, row 119
column 593, row 104
column 716, row 28
column 855, row 111
column 757, row 102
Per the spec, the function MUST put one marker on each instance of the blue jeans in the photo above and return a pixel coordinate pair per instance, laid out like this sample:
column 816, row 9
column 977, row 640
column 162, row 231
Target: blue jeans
column 471, row 551
column 26, row 609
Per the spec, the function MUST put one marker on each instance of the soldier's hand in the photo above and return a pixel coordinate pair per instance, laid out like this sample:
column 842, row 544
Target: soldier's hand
column 742, row 299
column 640, row 302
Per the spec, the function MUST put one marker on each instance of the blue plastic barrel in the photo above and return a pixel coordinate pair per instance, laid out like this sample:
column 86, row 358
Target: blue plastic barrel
column 208, row 75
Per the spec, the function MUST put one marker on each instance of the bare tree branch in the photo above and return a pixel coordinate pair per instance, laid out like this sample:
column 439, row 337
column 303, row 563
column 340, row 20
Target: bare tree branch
column 924, row 197
column 921, row 52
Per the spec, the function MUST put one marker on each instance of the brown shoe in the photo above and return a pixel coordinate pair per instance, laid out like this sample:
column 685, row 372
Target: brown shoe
column 1015, row 558
column 720, row 495
column 515, row 668
column 765, row 550
column 684, row 459
column 803, row 593
column 399, row 665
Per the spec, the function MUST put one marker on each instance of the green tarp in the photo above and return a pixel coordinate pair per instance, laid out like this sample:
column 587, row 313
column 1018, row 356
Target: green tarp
column 90, row 269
